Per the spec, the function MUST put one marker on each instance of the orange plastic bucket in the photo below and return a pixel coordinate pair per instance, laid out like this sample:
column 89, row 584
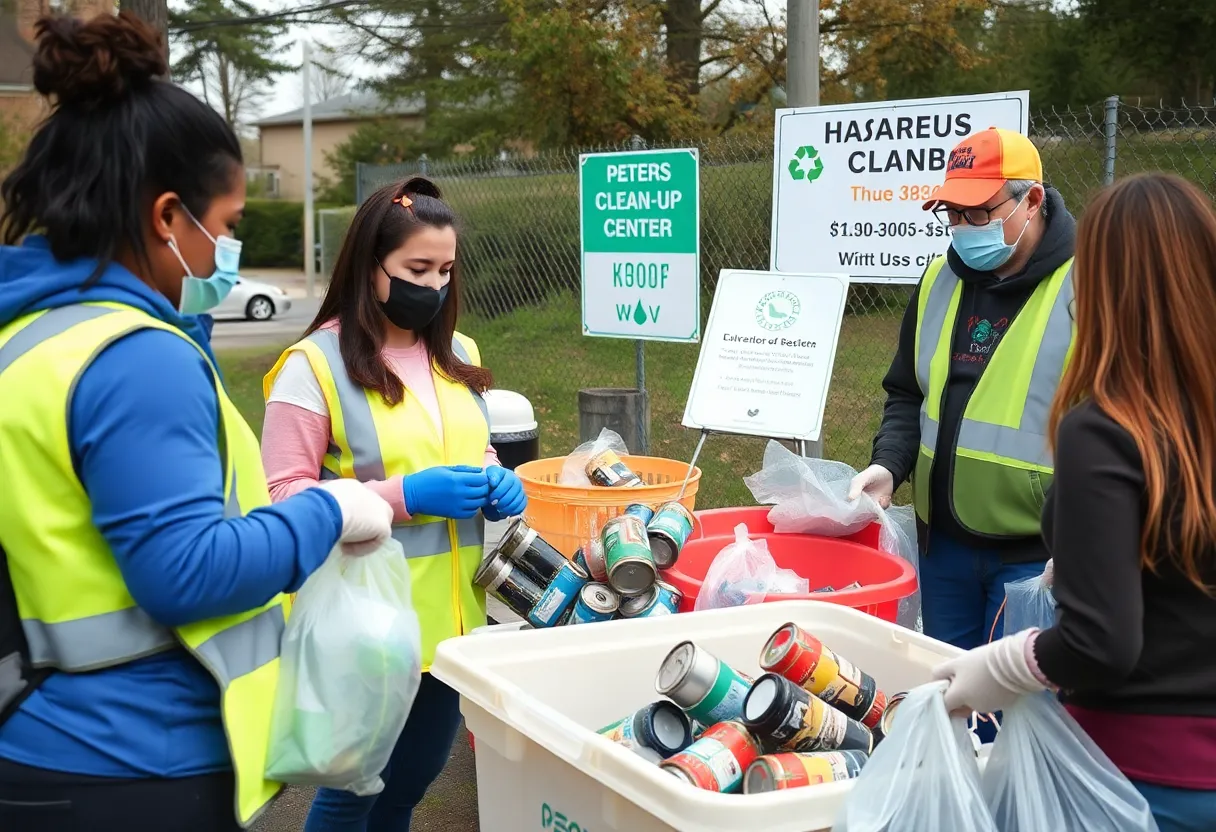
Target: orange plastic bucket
column 568, row 516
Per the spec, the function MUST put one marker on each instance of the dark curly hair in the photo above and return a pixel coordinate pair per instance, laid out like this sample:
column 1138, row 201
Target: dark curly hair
column 379, row 227
column 117, row 136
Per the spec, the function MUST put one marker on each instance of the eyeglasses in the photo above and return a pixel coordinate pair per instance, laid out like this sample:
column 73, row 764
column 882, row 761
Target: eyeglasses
column 972, row 216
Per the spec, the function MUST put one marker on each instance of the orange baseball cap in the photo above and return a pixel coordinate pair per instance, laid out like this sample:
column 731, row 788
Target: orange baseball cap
column 982, row 163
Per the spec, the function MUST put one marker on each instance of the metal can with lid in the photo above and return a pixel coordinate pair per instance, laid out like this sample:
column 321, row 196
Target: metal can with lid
column 501, row 577
column 627, row 558
column 608, row 470
column 662, row 599
column 786, row 716
column 717, row 760
column 654, row 732
column 669, row 530
column 888, row 716
column 805, row 660
column 596, row 602
column 706, row 687
column 793, row 769
column 525, row 546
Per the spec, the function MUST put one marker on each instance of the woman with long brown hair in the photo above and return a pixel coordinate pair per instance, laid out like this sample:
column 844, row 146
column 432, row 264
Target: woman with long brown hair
column 1131, row 518
column 384, row 390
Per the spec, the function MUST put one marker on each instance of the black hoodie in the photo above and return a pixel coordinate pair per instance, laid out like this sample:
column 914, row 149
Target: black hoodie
column 986, row 308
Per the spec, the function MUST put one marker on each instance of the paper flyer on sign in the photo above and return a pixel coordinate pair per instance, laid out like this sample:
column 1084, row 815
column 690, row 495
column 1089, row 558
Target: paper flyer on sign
column 767, row 355
column 849, row 181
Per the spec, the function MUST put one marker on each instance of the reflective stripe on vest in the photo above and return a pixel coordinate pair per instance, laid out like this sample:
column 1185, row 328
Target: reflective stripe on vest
column 1027, row 442
column 420, row 540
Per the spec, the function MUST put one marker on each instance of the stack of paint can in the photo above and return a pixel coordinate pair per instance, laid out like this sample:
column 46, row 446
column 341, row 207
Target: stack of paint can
column 788, row 718
column 531, row 577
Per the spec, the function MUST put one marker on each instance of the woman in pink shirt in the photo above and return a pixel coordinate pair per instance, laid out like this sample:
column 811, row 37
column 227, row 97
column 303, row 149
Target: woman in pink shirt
column 384, row 390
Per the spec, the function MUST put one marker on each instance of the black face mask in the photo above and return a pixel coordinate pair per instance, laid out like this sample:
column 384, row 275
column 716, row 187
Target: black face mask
column 410, row 306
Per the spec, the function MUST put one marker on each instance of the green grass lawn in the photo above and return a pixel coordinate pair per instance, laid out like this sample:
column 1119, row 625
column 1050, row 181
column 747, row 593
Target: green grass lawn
column 538, row 351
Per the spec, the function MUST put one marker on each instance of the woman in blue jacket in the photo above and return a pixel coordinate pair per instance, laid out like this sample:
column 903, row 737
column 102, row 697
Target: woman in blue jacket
column 141, row 593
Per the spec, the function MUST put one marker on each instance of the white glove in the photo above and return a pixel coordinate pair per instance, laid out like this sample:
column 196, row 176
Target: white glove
column 991, row 677
column 876, row 481
column 366, row 518
column 1049, row 574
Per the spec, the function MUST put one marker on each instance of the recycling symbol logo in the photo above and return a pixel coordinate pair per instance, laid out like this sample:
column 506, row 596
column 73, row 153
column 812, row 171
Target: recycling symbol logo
column 806, row 164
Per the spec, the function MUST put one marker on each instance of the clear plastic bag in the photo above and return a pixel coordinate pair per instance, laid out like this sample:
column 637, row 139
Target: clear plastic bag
column 743, row 573
column 1045, row 773
column 351, row 665
column 1029, row 603
column 811, row 496
column 574, row 469
column 922, row 777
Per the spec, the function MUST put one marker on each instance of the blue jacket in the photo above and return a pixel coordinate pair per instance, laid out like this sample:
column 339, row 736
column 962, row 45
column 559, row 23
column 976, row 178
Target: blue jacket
column 143, row 431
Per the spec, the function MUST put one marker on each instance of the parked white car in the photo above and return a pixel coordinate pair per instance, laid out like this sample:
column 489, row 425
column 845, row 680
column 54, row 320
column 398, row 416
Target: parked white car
column 254, row 300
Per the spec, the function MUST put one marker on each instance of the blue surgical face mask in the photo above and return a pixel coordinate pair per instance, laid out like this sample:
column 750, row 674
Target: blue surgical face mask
column 200, row 294
column 983, row 247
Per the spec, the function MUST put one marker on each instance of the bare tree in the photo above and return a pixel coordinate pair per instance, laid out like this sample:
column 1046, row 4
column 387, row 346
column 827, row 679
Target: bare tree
column 155, row 12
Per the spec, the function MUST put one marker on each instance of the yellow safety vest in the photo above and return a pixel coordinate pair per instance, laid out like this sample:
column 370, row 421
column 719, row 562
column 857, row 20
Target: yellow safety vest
column 369, row 440
column 1002, row 464
column 74, row 605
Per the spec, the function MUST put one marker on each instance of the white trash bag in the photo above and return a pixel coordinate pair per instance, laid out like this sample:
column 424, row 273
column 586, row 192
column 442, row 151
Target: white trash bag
column 743, row 573
column 1045, row 773
column 351, row 665
column 574, row 469
column 923, row 777
column 1029, row 603
column 811, row 496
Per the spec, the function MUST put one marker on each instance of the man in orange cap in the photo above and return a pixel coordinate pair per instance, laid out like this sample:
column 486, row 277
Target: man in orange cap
column 982, row 346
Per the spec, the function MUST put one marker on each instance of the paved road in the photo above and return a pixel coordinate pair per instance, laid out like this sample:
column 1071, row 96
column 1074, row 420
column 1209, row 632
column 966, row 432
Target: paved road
column 278, row 331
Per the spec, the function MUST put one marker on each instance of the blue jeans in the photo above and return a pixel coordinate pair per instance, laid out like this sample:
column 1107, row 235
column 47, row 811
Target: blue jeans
column 420, row 754
column 961, row 591
column 1180, row 810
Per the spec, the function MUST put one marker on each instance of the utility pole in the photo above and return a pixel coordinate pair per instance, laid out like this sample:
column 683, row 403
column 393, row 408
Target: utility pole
column 802, row 90
column 310, row 271
column 802, row 53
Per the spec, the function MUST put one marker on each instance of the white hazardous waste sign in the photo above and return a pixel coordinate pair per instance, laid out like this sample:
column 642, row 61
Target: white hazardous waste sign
column 849, row 181
column 766, row 361
column 640, row 223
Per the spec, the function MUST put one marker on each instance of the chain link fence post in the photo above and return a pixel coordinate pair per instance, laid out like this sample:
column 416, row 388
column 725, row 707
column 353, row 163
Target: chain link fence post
column 639, row 357
column 1110, row 125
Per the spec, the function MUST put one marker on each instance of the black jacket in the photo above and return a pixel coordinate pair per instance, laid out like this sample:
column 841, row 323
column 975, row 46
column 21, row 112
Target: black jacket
column 986, row 308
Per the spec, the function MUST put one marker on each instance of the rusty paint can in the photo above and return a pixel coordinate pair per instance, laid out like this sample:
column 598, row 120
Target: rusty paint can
column 669, row 530
column 717, row 760
column 608, row 470
column 627, row 557
column 786, row 716
column 662, row 599
column 792, row 770
column 707, row 688
column 805, row 660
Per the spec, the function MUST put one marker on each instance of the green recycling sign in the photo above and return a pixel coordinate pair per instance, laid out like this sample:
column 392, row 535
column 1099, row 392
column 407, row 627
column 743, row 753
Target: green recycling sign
column 640, row 231
column 806, row 164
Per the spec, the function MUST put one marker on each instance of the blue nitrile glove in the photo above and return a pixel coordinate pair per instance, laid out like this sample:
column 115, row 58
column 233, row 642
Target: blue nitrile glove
column 507, row 498
column 456, row 491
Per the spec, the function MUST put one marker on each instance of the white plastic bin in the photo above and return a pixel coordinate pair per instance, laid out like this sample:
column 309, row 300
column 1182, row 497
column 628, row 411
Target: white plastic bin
column 534, row 699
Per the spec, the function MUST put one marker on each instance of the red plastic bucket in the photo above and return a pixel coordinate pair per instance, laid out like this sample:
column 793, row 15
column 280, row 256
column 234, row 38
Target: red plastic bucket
column 824, row 561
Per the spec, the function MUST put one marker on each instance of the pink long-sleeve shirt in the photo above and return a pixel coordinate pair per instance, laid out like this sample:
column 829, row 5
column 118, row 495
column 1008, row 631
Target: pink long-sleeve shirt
column 296, row 431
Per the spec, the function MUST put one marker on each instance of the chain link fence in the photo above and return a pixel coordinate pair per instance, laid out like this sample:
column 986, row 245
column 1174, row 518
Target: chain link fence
column 521, row 259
